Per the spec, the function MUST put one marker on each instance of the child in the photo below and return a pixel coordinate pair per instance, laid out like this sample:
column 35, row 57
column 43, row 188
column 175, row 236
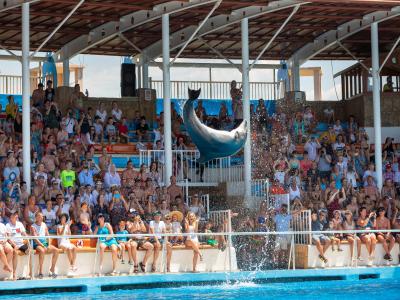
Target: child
column 84, row 219
column 111, row 131
column 176, row 229
column 98, row 129
column 210, row 239
column 123, row 243
column 334, row 239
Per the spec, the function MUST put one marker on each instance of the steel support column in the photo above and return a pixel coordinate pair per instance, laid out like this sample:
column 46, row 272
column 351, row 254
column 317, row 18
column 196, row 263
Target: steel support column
column 167, row 99
column 376, row 94
column 246, row 105
column 66, row 72
column 145, row 73
column 295, row 76
column 26, row 114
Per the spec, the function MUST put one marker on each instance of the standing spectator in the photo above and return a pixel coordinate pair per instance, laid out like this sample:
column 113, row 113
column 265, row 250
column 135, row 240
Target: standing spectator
column 38, row 96
column 311, row 146
column 237, row 104
column 49, row 92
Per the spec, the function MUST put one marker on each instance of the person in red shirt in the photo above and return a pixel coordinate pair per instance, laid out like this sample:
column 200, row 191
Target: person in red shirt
column 305, row 164
column 123, row 131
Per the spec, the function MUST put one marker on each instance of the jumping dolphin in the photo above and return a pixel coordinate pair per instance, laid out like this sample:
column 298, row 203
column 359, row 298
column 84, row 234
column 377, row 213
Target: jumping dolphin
column 211, row 143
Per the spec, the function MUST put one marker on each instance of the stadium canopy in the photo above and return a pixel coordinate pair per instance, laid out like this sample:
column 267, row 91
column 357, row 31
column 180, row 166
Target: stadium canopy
column 317, row 29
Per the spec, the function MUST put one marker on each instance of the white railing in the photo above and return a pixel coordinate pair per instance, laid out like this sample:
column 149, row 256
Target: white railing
column 260, row 188
column 220, row 90
column 185, row 166
column 204, row 200
column 12, row 85
column 221, row 219
column 301, row 221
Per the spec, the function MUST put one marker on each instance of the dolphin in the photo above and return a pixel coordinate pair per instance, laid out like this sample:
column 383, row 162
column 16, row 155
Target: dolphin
column 210, row 142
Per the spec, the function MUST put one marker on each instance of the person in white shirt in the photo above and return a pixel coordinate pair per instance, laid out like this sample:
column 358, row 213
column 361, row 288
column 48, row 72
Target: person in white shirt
column 312, row 146
column 101, row 112
column 116, row 112
column 157, row 227
column 42, row 246
column 112, row 177
column 6, row 251
column 50, row 217
column 16, row 231
column 370, row 172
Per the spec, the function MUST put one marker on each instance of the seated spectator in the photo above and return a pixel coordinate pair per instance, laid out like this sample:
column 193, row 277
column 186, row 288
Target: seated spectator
column 123, row 131
column 157, row 227
column 367, row 222
column 142, row 130
column 101, row 113
column 110, row 130
column 50, row 217
column 349, row 224
column 42, row 246
column 321, row 240
column 196, row 207
column 124, row 243
column 116, row 112
column 192, row 241
column 16, row 231
column 112, row 178
column 6, row 251
column 104, row 228
column 63, row 229
column 386, row 238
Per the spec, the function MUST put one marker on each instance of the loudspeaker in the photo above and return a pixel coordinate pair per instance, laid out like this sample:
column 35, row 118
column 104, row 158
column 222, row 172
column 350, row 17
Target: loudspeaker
column 128, row 80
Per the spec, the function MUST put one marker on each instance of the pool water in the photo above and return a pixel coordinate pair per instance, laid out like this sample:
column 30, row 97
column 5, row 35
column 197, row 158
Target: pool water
column 363, row 289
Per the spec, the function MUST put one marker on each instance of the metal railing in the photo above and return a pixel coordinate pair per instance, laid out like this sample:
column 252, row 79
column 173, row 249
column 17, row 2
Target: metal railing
column 204, row 201
column 220, row 90
column 186, row 166
column 222, row 220
column 12, row 85
column 301, row 221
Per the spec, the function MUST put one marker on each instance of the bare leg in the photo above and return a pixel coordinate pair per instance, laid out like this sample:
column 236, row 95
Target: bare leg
column 134, row 252
column 4, row 260
column 196, row 252
column 54, row 258
column 157, row 247
column 169, row 255
column 41, row 251
column 114, row 256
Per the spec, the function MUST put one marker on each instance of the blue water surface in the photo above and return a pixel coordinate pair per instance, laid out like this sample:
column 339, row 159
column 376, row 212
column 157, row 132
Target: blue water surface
column 363, row 289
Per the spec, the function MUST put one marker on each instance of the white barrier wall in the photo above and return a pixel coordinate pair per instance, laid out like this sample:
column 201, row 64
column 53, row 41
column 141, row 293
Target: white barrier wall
column 213, row 260
column 307, row 257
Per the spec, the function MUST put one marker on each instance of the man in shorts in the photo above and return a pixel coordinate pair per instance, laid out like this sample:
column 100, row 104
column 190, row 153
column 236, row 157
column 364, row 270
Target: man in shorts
column 282, row 224
column 321, row 241
column 16, row 230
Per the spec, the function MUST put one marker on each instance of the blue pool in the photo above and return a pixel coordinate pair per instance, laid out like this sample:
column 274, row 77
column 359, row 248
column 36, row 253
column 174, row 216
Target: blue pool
column 369, row 288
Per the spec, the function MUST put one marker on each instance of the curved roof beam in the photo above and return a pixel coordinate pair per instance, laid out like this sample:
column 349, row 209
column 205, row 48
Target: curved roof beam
column 343, row 31
column 218, row 22
column 112, row 29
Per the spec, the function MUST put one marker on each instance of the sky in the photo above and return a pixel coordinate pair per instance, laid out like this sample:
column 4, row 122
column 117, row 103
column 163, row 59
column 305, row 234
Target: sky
column 102, row 74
